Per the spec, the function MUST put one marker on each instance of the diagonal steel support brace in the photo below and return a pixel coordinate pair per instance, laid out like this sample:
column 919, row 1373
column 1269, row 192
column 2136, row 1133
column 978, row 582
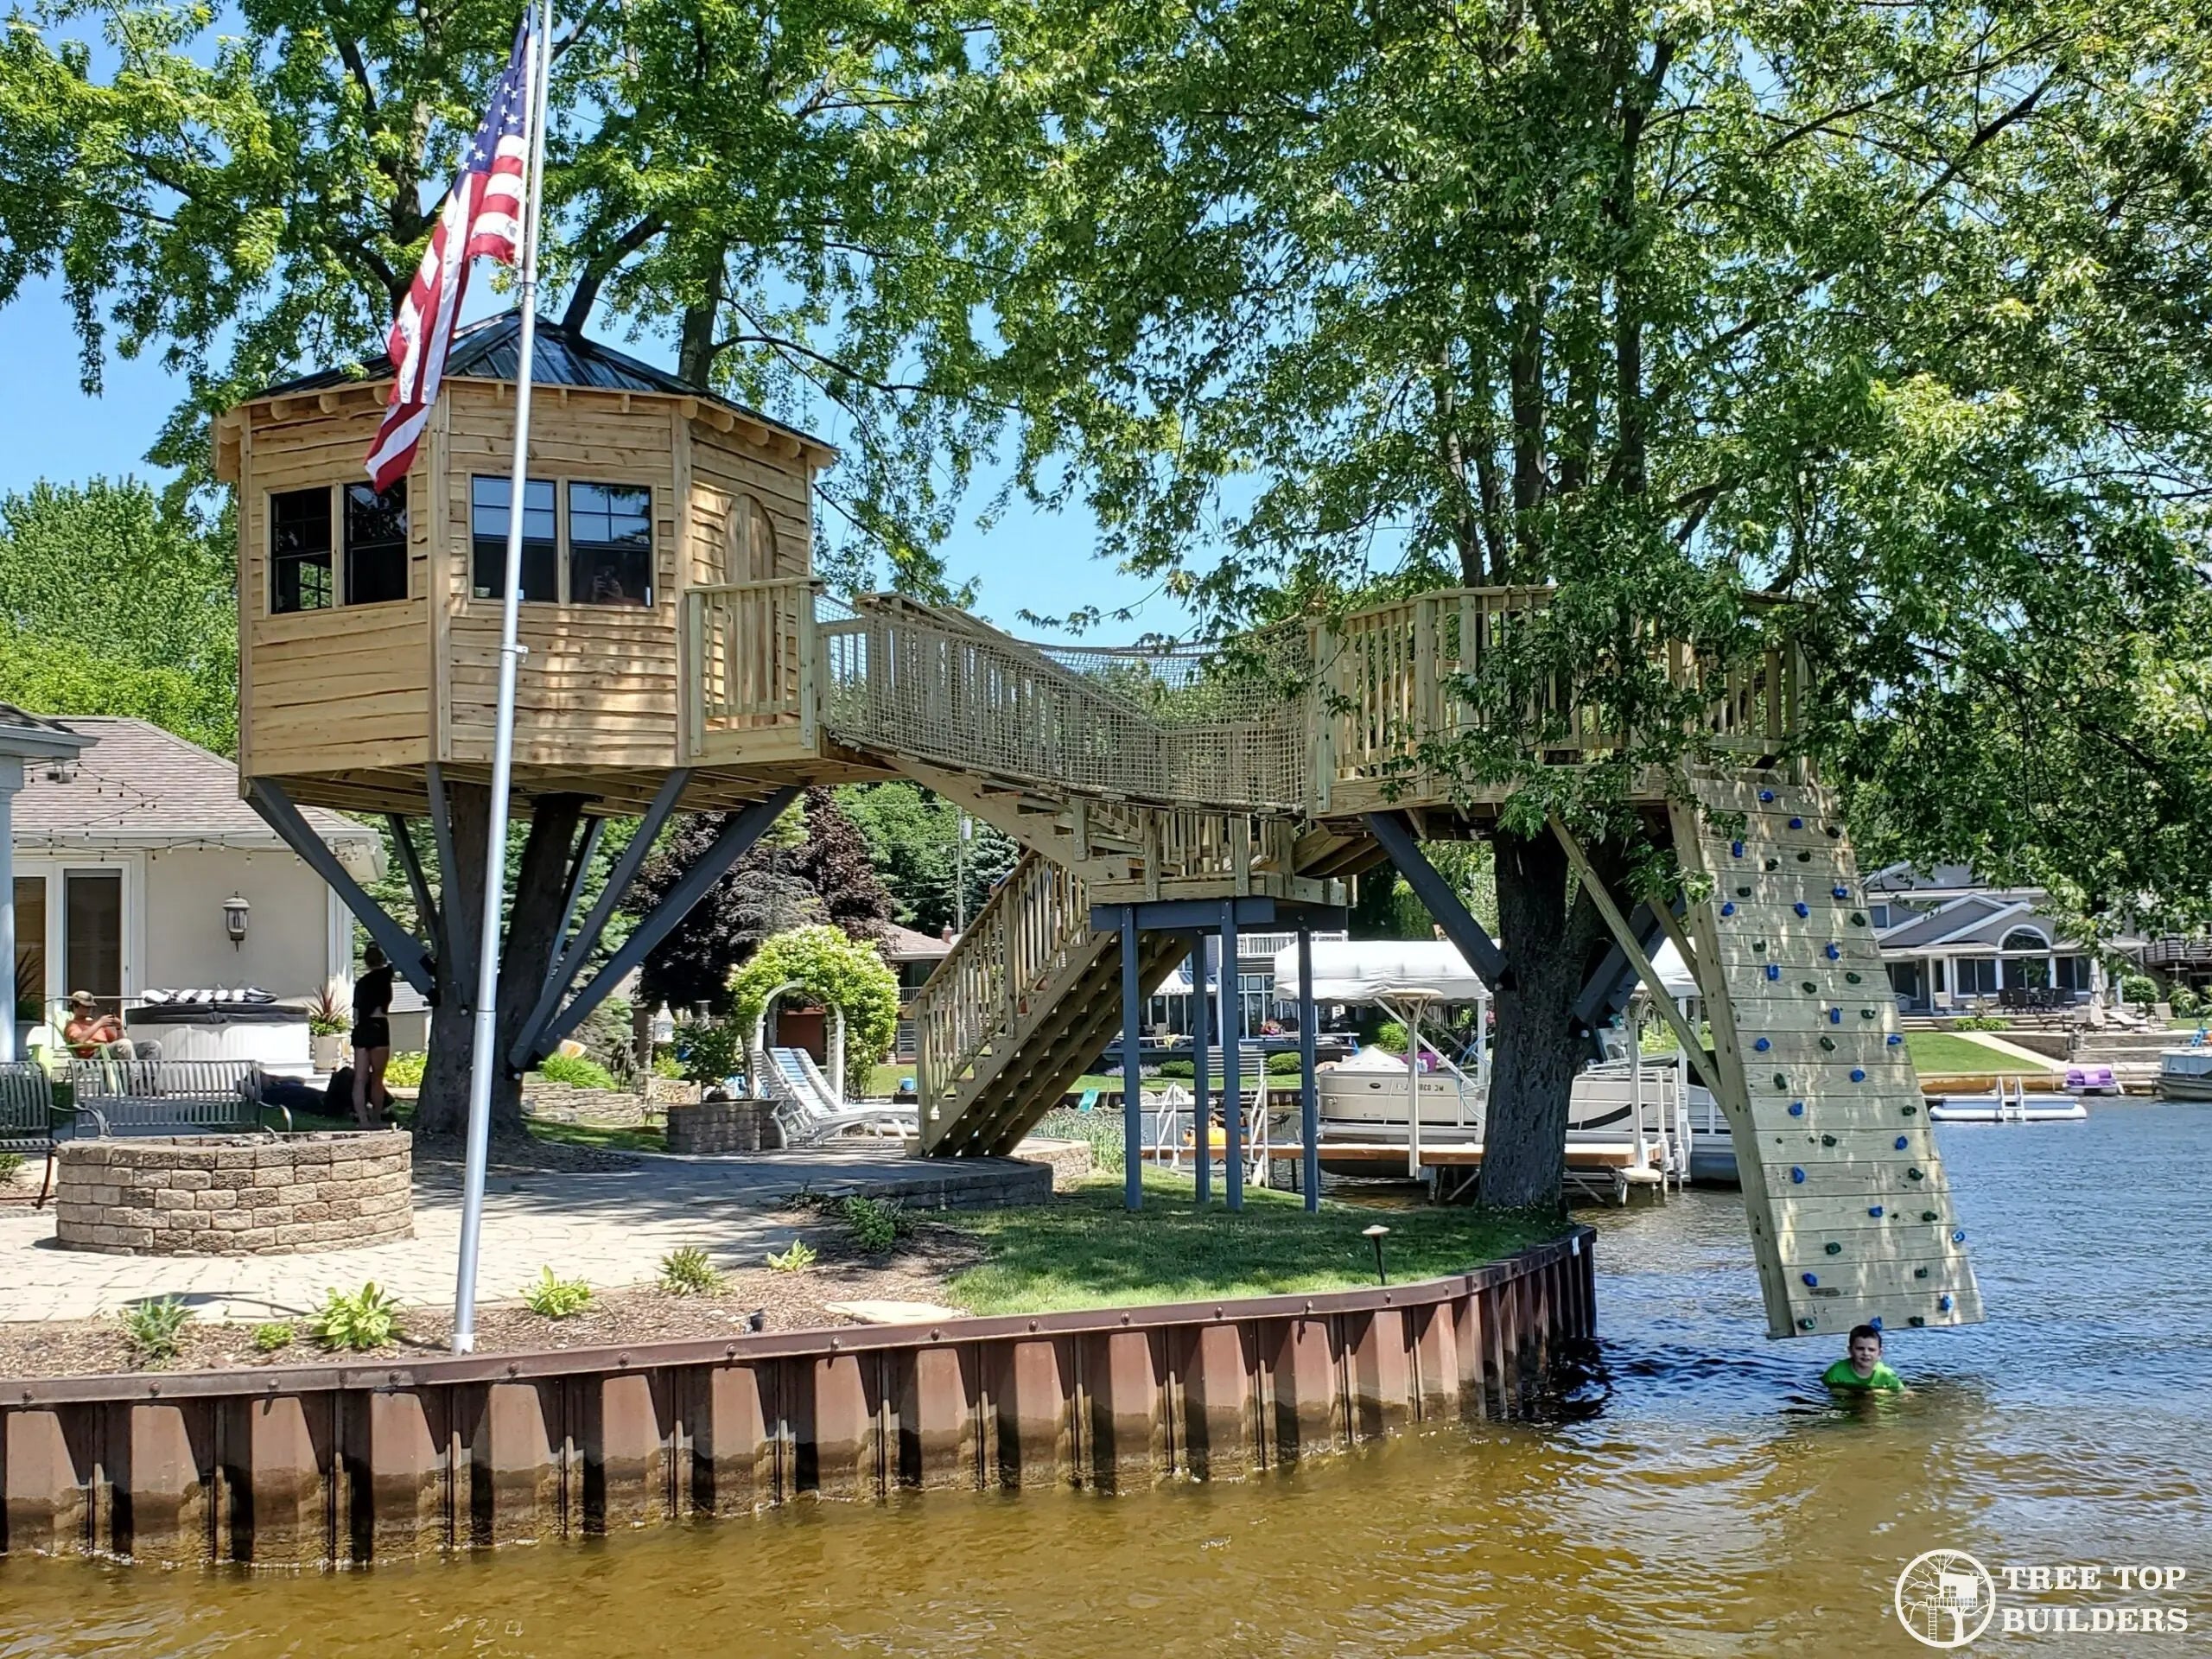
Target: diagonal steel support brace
column 1614, row 981
column 578, row 870
column 727, row 848
column 1441, row 902
column 409, row 860
column 400, row 947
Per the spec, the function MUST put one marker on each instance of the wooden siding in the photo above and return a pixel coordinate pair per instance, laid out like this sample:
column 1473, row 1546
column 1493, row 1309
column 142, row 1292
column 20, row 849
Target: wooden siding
column 725, row 471
column 349, row 686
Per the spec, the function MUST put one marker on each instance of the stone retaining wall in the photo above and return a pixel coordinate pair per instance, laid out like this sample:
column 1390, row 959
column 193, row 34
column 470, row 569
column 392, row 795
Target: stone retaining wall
column 381, row 1459
column 569, row 1102
column 720, row 1126
column 221, row 1195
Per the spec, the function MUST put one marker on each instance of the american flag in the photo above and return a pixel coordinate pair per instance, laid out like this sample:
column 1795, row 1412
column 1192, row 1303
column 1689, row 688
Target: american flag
column 483, row 214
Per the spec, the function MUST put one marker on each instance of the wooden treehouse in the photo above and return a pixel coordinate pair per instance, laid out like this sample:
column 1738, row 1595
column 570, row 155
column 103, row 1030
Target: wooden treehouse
column 683, row 657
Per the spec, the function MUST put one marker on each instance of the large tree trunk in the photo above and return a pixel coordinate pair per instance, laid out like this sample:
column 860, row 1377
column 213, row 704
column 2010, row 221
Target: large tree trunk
column 1549, row 931
column 540, row 888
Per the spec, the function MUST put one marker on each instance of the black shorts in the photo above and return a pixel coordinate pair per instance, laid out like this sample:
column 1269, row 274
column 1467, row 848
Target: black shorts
column 372, row 1034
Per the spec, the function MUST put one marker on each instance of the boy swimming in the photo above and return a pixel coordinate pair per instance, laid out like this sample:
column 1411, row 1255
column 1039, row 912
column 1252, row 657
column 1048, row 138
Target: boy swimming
column 1861, row 1368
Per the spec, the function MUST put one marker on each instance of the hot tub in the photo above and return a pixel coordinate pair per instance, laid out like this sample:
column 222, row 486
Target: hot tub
column 269, row 1033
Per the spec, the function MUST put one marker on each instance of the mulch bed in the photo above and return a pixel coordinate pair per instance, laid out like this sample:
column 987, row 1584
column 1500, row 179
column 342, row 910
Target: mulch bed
column 915, row 1271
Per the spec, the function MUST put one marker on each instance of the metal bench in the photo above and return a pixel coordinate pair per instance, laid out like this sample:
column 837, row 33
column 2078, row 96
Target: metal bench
column 28, row 1116
column 211, row 1094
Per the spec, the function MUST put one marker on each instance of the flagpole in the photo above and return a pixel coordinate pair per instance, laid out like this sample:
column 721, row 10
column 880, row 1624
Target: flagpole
column 483, row 1048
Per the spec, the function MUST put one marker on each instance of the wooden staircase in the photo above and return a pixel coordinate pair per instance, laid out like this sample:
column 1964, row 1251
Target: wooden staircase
column 1022, row 1006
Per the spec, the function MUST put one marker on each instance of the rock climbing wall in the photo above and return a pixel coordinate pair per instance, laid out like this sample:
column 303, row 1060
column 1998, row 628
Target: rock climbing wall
column 1851, row 1216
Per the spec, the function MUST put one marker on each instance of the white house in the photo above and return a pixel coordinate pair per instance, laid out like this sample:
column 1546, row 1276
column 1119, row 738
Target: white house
column 1951, row 943
column 136, row 867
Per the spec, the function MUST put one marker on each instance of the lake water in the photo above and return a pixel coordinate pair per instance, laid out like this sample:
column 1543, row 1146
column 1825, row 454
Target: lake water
column 1708, row 1500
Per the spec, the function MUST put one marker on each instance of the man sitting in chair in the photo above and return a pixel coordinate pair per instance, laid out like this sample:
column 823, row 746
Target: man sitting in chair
column 92, row 1033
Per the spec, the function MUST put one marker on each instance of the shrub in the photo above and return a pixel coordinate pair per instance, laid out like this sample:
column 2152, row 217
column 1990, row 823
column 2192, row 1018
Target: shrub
column 2139, row 987
column 710, row 1050
column 405, row 1070
column 11, row 1164
column 874, row 1224
column 1185, row 1070
column 273, row 1337
column 667, row 1066
column 824, row 962
column 687, row 1272
column 556, row 1298
column 798, row 1259
column 357, row 1320
column 1284, row 1066
column 1982, row 1022
column 1103, row 1130
column 576, row 1071
column 2185, row 1002
column 155, row 1327
column 1390, row 1036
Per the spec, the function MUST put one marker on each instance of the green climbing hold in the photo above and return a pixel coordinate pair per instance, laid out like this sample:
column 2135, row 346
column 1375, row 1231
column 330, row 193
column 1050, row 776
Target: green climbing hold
column 1851, row 978
column 1742, row 892
column 1804, row 858
column 1920, row 1272
column 1758, row 944
column 1806, row 1325
column 1910, row 1111
column 1774, row 863
column 1915, row 1319
column 1915, row 1175
column 1835, row 1249
column 1929, row 1214
column 1859, row 919
column 1828, row 1042
column 1809, row 988
column 1828, row 1140
column 1781, row 1082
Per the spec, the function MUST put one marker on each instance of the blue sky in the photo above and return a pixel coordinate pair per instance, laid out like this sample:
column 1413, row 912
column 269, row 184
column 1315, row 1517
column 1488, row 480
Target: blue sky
column 1028, row 560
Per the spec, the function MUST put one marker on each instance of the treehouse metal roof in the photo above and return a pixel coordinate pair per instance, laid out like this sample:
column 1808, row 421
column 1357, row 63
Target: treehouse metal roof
column 491, row 349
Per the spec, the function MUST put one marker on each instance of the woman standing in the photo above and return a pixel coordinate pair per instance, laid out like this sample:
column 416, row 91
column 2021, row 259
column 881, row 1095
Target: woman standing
column 371, row 1038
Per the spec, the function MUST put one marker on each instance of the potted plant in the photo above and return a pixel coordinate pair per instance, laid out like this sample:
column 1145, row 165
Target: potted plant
column 330, row 1016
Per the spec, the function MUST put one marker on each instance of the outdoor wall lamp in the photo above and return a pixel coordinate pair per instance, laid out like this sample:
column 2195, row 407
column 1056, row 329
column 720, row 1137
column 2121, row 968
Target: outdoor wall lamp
column 235, row 912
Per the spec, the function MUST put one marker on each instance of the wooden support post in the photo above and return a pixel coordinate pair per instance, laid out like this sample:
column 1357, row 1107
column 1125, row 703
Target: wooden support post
column 1201, row 1074
column 1309, row 1098
column 1232, row 1085
column 1131, row 1069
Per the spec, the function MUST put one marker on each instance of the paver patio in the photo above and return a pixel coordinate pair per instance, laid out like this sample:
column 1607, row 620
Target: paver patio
column 610, row 1229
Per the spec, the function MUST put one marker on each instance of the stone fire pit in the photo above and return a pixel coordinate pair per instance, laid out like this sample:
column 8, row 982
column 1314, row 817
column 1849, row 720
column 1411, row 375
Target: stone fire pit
column 233, row 1195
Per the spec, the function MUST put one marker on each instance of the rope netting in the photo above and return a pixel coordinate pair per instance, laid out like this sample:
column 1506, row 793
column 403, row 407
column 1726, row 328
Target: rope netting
column 1220, row 726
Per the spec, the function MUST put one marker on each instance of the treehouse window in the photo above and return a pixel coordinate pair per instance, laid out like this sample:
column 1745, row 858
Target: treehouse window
column 488, row 499
column 376, row 544
column 299, row 550
column 610, row 544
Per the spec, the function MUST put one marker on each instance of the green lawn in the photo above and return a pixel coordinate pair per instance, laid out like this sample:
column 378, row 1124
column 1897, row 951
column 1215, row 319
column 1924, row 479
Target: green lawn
column 1085, row 1250
column 885, row 1080
column 1942, row 1053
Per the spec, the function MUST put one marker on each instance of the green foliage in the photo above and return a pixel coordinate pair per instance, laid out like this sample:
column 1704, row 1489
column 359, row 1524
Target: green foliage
column 1102, row 1131
column 913, row 837
column 116, row 602
column 826, row 964
column 11, row 1164
column 155, row 1327
column 2184, row 1001
column 576, row 1071
column 687, row 1272
column 355, row 1320
column 405, row 1070
column 667, row 1066
column 1284, row 1066
column 1181, row 1070
column 1391, row 1035
column 556, row 1298
column 1982, row 1022
column 798, row 1259
column 274, row 1336
column 2139, row 987
column 710, row 1050
column 875, row 1223
column 330, row 1011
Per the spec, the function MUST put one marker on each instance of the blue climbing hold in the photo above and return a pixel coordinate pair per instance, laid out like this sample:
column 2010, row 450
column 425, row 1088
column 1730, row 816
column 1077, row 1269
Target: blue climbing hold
column 1798, row 1175
column 1858, row 1075
column 1875, row 1322
column 1944, row 1302
column 1766, row 795
column 1796, row 823
column 1833, row 953
column 1958, row 1236
column 1728, row 910
column 1796, row 1108
column 1835, row 1016
column 1811, row 1277
column 1774, row 971
column 1761, row 1044
column 1735, row 849
column 1841, row 893
column 1801, row 908
column 1902, row 1143
column 1894, row 1039
column 1875, row 1211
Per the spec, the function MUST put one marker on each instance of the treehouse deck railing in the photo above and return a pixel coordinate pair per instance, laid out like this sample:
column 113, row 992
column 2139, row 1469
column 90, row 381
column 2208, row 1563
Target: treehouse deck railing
column 750, row 688
column 1022, row 940
column 1392, row 678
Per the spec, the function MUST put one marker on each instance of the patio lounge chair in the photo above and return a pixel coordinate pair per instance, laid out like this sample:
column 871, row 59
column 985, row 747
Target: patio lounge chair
column 808, row 1111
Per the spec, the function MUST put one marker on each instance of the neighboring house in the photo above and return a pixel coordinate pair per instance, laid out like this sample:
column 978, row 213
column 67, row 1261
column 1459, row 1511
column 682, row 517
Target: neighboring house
column 913, row 957
column 1951, row 942
column 130, row 860
column 1169, row 1009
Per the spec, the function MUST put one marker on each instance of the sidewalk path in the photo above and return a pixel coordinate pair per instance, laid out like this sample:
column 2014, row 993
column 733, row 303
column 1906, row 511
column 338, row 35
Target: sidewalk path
column 610, row 1230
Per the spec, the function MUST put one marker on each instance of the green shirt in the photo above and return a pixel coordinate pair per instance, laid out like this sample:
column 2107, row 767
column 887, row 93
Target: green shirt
column 1841, row 1375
